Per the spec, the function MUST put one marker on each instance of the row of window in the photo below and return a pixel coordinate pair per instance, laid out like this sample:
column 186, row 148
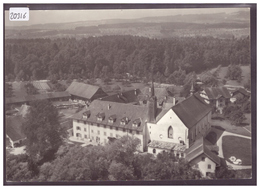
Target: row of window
column 124, row 130
column 85, row 129
column 97, row 138
column 98, row 132
column 177, row 155
column 197, row 166
column 123, row 122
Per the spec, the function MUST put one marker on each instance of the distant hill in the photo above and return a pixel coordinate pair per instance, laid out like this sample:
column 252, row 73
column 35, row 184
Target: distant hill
column 216, row 25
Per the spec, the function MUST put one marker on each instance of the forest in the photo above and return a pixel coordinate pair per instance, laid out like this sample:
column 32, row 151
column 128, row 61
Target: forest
column 114, row 56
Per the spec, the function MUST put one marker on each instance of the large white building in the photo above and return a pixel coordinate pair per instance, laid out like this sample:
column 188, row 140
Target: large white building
column 174, row 129
column 104, row 121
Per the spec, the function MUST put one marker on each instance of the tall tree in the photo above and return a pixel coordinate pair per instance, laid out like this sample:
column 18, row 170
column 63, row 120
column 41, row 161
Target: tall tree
column 8, row 90
column 234, row 72
column 43, row 132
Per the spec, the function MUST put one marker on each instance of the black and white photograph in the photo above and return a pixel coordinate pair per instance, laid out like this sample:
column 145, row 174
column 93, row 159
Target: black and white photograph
column 154, row 94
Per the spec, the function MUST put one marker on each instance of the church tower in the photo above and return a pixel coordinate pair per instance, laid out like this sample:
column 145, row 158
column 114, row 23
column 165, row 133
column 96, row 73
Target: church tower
column 152, row 105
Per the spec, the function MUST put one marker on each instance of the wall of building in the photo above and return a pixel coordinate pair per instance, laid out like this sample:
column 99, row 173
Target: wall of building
column 203, row 166
column 159, row 131
column 200, row 129
column 159, row 150
column 91, row 131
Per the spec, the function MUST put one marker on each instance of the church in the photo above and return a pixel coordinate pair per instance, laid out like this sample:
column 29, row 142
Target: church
column 177, row 128
column 173, row 129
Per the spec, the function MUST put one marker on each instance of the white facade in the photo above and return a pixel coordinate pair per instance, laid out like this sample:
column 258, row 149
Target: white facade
column 203, row 164
column 161, row 131
column 84, row 131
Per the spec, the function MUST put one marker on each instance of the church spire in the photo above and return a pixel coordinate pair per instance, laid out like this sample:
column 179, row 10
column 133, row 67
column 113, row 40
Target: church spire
column 152, row 104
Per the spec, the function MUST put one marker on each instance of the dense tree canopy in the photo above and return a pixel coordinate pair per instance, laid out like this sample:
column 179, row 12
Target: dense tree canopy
column 234, row 72
column 114, row 56
column 42, row 129
column 116, row 161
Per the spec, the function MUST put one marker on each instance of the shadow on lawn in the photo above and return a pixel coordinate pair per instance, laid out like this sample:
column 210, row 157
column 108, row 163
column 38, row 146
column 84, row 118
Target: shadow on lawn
column 214, row 135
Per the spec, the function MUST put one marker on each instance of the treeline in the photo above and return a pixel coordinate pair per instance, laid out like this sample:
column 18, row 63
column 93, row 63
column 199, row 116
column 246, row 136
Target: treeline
column 113, row 56
column 116, row 162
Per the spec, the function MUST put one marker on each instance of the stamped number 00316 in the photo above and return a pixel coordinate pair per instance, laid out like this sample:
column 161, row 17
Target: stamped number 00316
column 19, row 14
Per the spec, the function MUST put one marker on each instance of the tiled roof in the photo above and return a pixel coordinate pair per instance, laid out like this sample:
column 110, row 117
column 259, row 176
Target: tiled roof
column 29, row 98
column 160, row 93
column 199, row 148
column 13, row 127
column 85, row 90
column 167, row 145
column 216, row 92
column 124, row 97
column 191, row 110
column 118, row 111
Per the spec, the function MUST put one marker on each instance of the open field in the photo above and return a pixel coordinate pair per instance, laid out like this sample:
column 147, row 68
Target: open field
column 226, row 125
column 223, row 73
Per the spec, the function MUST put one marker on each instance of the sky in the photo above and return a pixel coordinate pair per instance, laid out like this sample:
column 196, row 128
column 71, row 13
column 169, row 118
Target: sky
column 63, row 16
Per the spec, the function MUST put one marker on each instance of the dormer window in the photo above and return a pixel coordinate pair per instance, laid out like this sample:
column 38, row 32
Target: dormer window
column 124, row 121
column 112, row 119
column 86, row 114
column 136, row 123
column 100, row 116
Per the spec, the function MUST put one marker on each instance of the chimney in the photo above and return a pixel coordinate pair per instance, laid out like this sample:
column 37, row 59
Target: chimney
column 108, row 106
column 118, row 96
column 135, row 92
column 173, row 101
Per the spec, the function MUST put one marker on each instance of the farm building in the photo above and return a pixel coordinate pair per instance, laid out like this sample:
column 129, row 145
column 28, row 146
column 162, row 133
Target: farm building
column 55, row 96
column 85, row 92
column 130, row 96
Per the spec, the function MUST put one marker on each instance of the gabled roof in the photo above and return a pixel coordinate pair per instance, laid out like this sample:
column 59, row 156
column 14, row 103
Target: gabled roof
column 191, row 110
column 216, row 92
column 117, row 110
column 199, row 148
column 28, row 98
column 13, row 127
column 85, row 90
column 160, row 93
column 124, row 97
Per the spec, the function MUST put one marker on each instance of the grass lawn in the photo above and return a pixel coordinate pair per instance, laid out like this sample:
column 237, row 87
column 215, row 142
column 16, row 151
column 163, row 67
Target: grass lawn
column 238, row 147
column 226, row 125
